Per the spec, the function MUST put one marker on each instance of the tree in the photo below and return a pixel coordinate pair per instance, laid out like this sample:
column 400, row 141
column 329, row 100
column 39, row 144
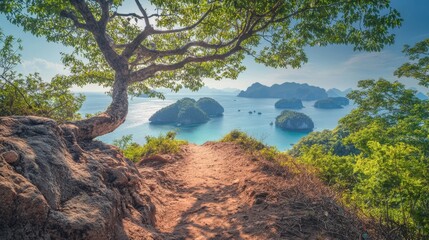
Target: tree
column 186, row 41
column 418, row 67
column 378, row 156
column 29, row 95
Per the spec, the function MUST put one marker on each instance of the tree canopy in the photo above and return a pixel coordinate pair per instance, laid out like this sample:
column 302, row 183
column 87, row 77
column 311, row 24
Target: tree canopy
column 378, row 156
column 183, row 42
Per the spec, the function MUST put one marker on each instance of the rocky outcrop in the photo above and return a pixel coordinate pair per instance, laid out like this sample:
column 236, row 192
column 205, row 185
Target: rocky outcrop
column 286, row 90
column 332, row 103
column 52, row 187
column 187, row 111
column 294, row 121
column 291, row 103
column 210, row 106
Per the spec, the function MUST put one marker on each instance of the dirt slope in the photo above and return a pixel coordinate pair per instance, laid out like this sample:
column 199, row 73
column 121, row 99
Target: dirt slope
column 217, row 191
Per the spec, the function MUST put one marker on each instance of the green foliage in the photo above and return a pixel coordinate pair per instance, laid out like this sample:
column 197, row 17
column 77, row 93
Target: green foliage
column 30, row 95
column 329, row 140
column 378, row 156
column 163, row 144
column 252, row 145
column 274, row 32
column 333, row 169
column 418, row 67
column 394, row 183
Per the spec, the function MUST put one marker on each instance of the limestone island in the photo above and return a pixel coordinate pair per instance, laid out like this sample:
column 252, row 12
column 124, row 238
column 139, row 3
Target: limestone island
column 210, row 106
column 331, row 103
column 303, row 92
column 187, row 111
column 294, row 121
column 289, row 103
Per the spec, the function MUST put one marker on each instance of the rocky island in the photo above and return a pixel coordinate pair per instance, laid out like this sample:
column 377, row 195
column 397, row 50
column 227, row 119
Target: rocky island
column 285, row 90
column 332, row 103
column 290, row 103
column 210, row 106
column 187, row 111
column 294, row 121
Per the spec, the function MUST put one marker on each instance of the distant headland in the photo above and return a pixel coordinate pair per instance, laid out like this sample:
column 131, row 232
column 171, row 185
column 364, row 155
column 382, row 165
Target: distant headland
column 285, row 90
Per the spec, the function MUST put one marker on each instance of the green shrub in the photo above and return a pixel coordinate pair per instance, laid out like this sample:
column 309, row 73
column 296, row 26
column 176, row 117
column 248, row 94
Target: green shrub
column 163, row 144
column 255, row 147
column 245, row 141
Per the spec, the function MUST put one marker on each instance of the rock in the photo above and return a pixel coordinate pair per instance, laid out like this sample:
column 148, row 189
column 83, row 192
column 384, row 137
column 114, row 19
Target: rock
column 187, row 111
column 331, row 103
column 10, row 156
column 290, row 103
column 210, row 106
column 294, row 121
column 59, row 191
column 285, row 90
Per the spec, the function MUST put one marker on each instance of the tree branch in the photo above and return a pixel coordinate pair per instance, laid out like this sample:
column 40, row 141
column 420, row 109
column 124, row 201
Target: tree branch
column 115, row 61
column 185, row 28
column 105, row 6
column 145, row 17
column 151, row 70
column 73, row 17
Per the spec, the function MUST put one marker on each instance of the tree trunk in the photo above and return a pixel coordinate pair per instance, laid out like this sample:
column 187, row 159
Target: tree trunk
column 109, row 120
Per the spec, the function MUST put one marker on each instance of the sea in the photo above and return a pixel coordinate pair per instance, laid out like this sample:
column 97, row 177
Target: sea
column 236, row 116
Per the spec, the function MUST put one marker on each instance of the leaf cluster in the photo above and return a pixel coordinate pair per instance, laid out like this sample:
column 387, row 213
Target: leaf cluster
column 30, row 95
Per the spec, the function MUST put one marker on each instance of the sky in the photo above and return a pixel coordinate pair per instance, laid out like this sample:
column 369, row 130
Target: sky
column 329, row 67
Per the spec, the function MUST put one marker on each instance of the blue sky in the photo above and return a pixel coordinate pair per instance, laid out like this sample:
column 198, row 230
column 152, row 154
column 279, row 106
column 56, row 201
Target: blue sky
column 332, row 66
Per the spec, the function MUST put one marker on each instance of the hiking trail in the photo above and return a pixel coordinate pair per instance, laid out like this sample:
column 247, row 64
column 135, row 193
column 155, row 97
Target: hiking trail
column 217, row 191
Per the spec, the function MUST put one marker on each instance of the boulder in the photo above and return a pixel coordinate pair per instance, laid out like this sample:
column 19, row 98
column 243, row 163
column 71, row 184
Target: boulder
column 290, row 103
column 57, row 188
column 294, row 121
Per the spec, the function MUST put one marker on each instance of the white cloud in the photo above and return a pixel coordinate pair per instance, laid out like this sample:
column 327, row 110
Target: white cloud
column 47, row 69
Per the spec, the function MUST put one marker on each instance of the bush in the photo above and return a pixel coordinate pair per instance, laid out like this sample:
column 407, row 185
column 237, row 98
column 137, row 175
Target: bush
column 255, row 147
column 163, row 144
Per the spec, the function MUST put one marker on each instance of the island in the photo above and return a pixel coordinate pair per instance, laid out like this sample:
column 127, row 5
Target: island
column 285, row 90
column 294, row 121
column 334, row 92
column 187, row 111
column 331, row 103
column 290, row 103
column 210, row 106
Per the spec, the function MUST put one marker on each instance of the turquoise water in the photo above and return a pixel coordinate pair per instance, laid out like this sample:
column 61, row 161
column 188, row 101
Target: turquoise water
column 258, row 126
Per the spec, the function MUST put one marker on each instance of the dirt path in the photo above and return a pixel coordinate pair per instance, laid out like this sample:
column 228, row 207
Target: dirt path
column 216, row 191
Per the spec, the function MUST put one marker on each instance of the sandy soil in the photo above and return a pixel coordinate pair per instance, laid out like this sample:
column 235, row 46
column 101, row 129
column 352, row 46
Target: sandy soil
column 217, row 191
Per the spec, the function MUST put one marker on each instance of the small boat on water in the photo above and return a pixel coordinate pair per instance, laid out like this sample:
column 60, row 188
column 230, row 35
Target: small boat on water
column 271, row 123
column 250, row 112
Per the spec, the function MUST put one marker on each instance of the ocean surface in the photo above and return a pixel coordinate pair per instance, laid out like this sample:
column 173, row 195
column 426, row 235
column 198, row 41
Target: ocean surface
column 236, row 116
